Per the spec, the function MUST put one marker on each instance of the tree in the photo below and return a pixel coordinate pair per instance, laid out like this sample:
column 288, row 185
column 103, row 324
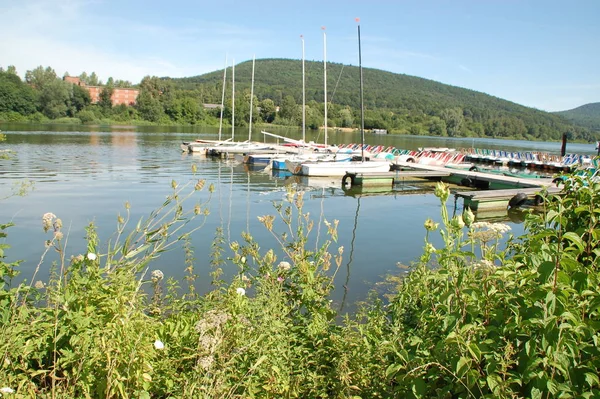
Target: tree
column 80, row 98
column 105, row 100
column 39, row 77
column 15, row 95
column 93, row 80
column 267, row 110
column 288, row 108
column 346, row 118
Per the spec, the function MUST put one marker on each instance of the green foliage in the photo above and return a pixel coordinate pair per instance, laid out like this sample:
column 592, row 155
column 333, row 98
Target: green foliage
column 587, row 115
column 469, row 320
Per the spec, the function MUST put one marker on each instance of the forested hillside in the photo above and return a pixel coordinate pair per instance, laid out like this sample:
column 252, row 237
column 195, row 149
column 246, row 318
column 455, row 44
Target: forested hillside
column 587, row 115
column 399, row 103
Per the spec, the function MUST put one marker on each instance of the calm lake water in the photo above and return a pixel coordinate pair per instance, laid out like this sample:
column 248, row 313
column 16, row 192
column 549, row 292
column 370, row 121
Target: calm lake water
column 85, row 174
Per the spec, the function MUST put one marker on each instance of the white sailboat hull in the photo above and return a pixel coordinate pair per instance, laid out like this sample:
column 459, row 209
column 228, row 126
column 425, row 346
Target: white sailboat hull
column 324, row 169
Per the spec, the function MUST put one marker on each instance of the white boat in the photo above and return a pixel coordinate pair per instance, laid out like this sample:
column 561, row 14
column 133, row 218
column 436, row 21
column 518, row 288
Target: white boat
column 324, row 169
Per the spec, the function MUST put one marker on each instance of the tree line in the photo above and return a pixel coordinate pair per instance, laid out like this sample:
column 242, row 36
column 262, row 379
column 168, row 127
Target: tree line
column 398, row 103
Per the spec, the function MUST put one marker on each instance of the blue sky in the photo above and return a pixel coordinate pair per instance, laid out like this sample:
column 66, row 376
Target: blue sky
column 542, row 54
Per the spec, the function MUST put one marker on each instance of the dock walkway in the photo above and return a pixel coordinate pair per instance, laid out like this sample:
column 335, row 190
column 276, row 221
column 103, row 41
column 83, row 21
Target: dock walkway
column 500, row 199
column 390, row 178
column 459, row 174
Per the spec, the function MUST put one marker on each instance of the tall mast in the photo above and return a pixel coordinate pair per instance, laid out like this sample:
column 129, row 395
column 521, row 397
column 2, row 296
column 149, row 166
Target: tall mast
column 232, row 98
column 251, row 98
column 325, row 77
column 362, row 109
column 303, row 95
column 223, row 98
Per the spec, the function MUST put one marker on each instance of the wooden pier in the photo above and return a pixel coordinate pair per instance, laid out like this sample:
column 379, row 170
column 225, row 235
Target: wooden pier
column 390, row 178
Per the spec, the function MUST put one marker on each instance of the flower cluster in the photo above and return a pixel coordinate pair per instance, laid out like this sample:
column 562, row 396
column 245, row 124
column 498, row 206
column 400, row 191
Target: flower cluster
column 211, row 336
column 50, row 221
column 157, row 275
column 485, row 232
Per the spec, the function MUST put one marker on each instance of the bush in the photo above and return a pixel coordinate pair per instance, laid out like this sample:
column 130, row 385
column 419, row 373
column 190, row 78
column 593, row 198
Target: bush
column 469, row 320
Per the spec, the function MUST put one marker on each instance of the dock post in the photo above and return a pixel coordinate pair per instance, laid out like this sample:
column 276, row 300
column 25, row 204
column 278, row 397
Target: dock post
column 563, row 148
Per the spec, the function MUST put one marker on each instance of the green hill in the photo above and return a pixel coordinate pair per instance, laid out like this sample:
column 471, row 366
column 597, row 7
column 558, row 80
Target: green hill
column 587, row 115
column 397, row 102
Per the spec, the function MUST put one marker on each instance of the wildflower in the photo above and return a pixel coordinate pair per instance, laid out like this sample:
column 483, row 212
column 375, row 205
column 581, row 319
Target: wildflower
column 457, row 222
column 429, row 248
column 47, row 220
column 240, row 291
column 430, row 225
column 92, row 256
column 6, row 390
column 206, row 362
column 212, row 319
column 442, row 191
column 280, row 279
column 39, row 285
column 158, row 344
column 285, row 266
column 468, row 217
column 157, row 275
column 58, row 235
column 199, row 185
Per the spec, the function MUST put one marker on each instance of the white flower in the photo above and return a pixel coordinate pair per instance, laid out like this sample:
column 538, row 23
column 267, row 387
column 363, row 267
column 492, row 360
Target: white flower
column 158, row 344
column 284, row 265
column 241, row 291
column 7, row 390
column 157, row 275
column 92, row 256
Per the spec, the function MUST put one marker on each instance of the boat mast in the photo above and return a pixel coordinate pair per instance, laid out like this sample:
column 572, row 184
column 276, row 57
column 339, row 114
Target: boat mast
column 223, row 98
column 362, row 109
column 303, row 95
column 232, row 98
column 325, row 78
column 251, row 98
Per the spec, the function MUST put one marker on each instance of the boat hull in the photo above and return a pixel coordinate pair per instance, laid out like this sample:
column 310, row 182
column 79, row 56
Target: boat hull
column 324, row 169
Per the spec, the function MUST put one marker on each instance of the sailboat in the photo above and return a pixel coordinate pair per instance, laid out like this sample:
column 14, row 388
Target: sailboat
column 229, row 146
column 341, row 168
column 199, row 146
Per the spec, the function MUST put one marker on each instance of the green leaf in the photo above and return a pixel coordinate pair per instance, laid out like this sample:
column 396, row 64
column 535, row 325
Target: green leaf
column 546, row 269
column 462, row 366
column 575, row 239
column 418, row 387
column 592, row 379
column 536, row 393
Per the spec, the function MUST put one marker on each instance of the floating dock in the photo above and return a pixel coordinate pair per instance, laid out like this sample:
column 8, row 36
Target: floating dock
column 480, row 180
column 500, row 199
column 389, row 179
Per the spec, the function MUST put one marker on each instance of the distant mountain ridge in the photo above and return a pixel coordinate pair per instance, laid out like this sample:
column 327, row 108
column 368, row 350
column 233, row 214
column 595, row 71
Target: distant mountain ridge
column 587, row 115
column 397, row 102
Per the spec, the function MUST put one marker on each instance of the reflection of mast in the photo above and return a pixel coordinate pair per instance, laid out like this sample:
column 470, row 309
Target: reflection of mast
column 230, row 198
column 248, row 204
column 351, row 257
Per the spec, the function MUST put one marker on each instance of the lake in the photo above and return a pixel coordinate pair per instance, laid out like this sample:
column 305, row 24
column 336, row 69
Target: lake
column 84, row 174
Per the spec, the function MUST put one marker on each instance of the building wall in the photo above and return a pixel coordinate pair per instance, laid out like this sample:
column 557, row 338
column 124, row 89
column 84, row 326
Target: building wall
column 125, row 96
